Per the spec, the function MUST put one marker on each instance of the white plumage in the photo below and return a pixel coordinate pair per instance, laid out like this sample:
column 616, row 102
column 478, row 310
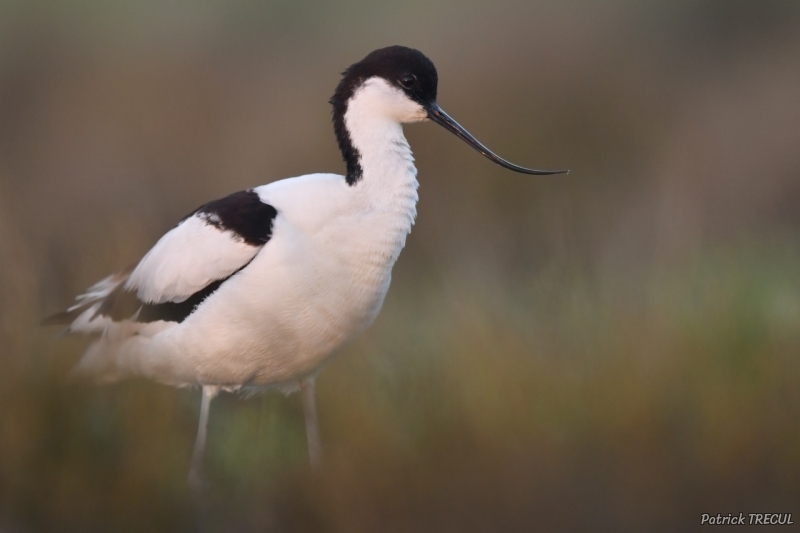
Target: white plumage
column 186, row 259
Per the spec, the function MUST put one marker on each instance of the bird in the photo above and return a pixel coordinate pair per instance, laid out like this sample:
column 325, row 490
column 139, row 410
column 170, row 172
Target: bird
column 256, row 290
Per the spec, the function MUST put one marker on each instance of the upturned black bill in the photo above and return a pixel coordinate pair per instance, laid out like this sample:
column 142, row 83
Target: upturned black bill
column 436, row 114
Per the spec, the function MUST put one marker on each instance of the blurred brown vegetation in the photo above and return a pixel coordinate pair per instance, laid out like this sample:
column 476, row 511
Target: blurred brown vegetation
column 613, row 350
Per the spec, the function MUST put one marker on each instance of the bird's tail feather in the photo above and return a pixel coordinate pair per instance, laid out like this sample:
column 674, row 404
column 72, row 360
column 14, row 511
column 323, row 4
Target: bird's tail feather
column 89, row 313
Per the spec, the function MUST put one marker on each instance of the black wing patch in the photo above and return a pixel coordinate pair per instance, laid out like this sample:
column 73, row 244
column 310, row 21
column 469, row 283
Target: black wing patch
column 241, row 213
column 177, row 312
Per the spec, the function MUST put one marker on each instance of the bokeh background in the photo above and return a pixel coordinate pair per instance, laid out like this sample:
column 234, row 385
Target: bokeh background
column 614, row 350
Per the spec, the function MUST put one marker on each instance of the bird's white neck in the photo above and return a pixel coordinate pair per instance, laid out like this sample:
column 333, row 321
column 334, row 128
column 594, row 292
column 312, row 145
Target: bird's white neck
column 384, row 156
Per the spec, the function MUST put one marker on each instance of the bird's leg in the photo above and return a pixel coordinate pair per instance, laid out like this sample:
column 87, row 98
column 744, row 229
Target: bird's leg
column 312, row 427
column 196, row 473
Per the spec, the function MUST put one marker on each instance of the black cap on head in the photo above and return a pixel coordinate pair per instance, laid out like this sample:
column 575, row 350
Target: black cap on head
column 407, row 69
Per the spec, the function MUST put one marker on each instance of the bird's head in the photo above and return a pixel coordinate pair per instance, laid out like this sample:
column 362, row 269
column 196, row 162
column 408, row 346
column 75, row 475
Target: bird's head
column 399, row 84
column 395, row 82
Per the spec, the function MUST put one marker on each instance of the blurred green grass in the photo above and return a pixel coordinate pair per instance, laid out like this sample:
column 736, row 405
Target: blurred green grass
column 551, row 399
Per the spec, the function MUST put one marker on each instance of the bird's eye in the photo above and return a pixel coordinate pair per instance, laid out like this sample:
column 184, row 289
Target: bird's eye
column 408, row 81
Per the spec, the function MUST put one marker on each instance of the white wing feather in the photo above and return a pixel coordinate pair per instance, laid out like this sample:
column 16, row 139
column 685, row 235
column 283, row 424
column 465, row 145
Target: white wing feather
column 186, row 259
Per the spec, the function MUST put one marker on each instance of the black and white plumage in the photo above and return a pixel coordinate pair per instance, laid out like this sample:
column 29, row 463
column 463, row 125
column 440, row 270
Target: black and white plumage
column 186, row 266
column 258, row 288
